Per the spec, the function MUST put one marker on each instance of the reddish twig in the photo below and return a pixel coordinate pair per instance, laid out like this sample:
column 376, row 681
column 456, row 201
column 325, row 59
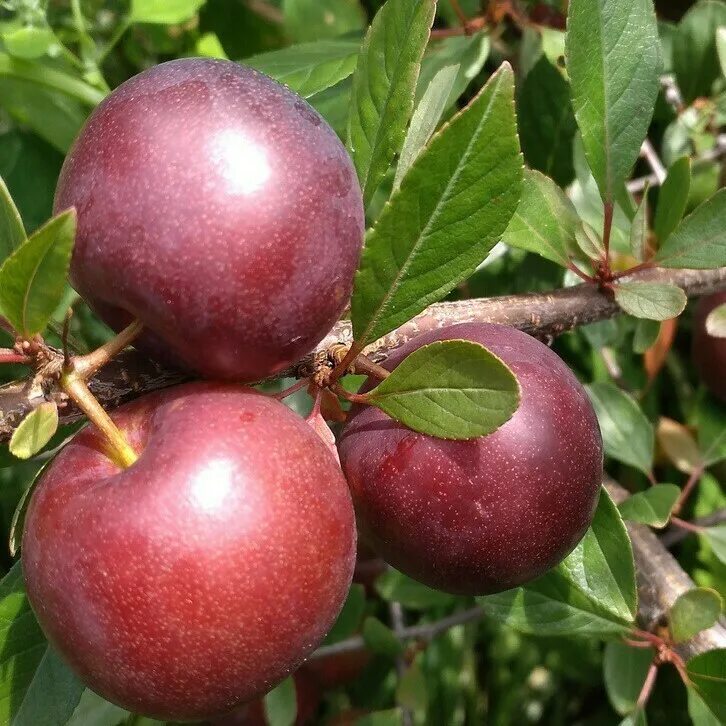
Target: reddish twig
column 8, row 355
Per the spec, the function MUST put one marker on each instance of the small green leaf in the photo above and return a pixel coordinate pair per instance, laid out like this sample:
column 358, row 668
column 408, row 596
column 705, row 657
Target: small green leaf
column 394, row 586
column 310, row 67
column 716, row 322
column 589, row 242
column 12, row 232
column 164, row 12
column 699, row 241
column 708, row 677
column 613, row 60
column 646, row 333
column 33, row 278
column 652, row 507
column 17, row 524
column 313, row 20
column 546, row 122
column 425, row 119
column 693, row 611
column 672, row 199
column 679, row 445
column 651, row 300
column 34, row 431
column 412, row 689
column 624, row 671
column 721, row 49
column 627, row 434
column 695, row 57
column 545, row 222
column 716, row 537
column 384, row 85
column 639, row 229
column 452, row 207
column 711, row 421
column 29, row 42
column 452, row 389
column 281, row 704
column 380, row 639
column 350, row 616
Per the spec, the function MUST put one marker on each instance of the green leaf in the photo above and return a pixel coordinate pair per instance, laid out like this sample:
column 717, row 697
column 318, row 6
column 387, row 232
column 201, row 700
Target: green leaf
column 699, row 241
column 312, row 20
column 281, row 704
column 35, row 430
column 545, row 221
column 392, row 717
column 350, row 616
column 412, row 689
column 695, row 57
column 716, row 537
column 311, row 67
column 693, row 611
column 672, row 199
column 381, row 639
column 384, row 85
column 92, row 710
column 716, row 322
column 613, row 60
column 17, row 524
column 453, row 206
column 639, row 230
column 711, row 421
column 29, row 42
column 721, row 49
column 708, row 677
column 425, row 119
column 451, row 389
column 624, row 672
column 589, row 242
column 33, row 278
column 652, row 507
column 546, row 122
column 164, row 12
column 592, row 592
column 651, row 300
column 700, row 713
column 678, row 445
column 12, row 232
column 637, row 718
column 646, row 333
column 627, row 434
column 394, row 586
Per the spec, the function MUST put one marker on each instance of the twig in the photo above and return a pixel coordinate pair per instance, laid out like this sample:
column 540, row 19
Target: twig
column 397, row 621
column 648, row 152
column 693, row 480
column 673, row 535
column 647, row 687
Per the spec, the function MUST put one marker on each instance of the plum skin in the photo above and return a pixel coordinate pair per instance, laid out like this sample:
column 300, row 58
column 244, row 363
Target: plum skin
column 708, row 351
column 487, row 514
column 221, row 210
column 202, row 575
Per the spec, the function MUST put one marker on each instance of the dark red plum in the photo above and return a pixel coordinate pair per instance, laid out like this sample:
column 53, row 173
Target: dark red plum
column 709, row 352
column 202, row 575
column 487, row 514
column 221, row 210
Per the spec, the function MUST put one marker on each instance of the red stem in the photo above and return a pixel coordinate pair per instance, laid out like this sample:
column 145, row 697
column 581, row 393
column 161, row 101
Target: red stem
column 459, row 12
column 8, row 355
column 294, row 388
column 347, row 395
column 607, row 229
column 683, row 524
column 582, row 275
column 690, row 484
column 647, row 687
column 637, row 268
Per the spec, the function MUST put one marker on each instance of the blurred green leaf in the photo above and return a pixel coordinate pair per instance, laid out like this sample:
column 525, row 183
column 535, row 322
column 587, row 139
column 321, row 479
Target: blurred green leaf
column 708, row 677
column 679, row 445
column 711, row 421
column 381, row 639
column 35, row 430
column 700, row 713
column 695, row 57
column 716, row 537
column 646, row 333
column 281, row 704
column 716, row 322
column 613, row 60
column 452, row 389
column 652, row 507
column 311, row 20
column 699, row 241
column 721, row 49
column 394, row 586
column 12, row 232
column 350, row 616
column 639, row 229
column 311, row 67
column 637, row 718
column 411, row 692
column 384, row 85
column 546, row 122
column 624, row 671
column 453, row 206
column 165, row 12
column 92, row 710
column 693, row 611
column 672, row 199
column 589, row 242
column 209, row 46
column 33, row 278
column 29, row 42
column 381, row 718
column 545, row 221
column 650, row 300
column 627, row 433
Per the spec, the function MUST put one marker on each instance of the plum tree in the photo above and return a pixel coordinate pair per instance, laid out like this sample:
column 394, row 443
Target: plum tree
column 487, row 514
column 219, row 208
column 709, row 352
column 200, row 576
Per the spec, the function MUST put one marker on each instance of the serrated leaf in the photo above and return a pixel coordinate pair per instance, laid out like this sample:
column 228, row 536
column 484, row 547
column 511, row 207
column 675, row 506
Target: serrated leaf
column 452, row 207
column 650, row 300
column 384, row 85
column 708, row 677
column 679, row 445
column 627, row 434
column 34, row 431
column 699, row 241
column 545, row 221
column 639, row 229
column 546, row 122
column 451, row 389
column 613, row 60
column 672, row 199
column 280, row 704
column 381, row 639
column 693, row 611
column 12, row 232
column 350, row 616
column 309, row 68
column 425, row 119
column 624, row 672
column 33, row 278
column 716, row 322
column 716, row 537
column 164, row 12
column 695, row 57
column 589, row 242
column 646, row 333
column 652, row 507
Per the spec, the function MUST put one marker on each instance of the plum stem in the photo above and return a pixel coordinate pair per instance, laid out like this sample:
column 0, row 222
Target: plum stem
column 348, row 396
column 342, row 367
column 117, row 448
column 87, row 365
column 365, row 365
column 8, row 355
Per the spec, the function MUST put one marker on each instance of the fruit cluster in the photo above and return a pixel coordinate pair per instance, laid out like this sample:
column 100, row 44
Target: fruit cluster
column 219, row 210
